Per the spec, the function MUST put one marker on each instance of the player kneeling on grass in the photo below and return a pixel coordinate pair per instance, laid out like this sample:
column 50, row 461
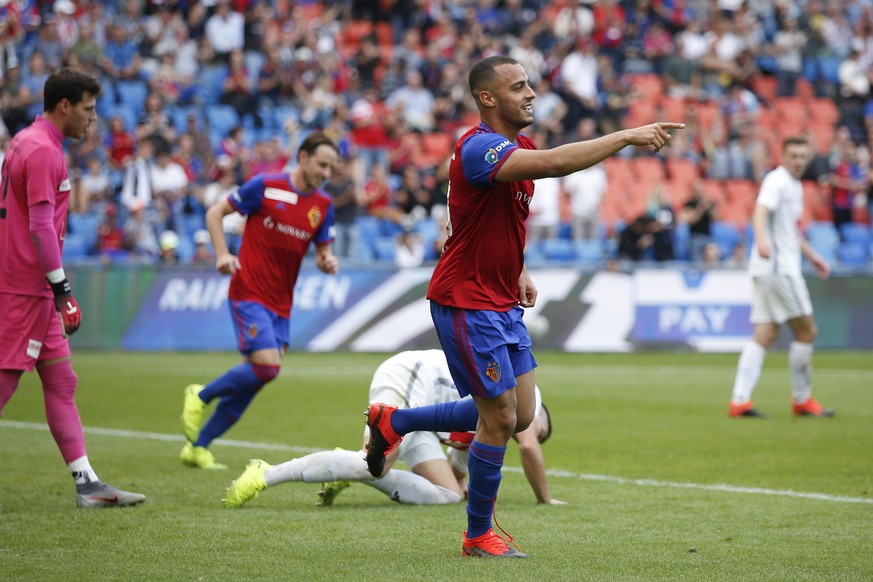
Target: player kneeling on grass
column 412, row 380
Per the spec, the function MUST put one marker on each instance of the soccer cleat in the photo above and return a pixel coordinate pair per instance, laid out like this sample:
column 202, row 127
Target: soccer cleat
column 246, row 486
column 383, row 439
column 811, row 408
column 490, row 545
column 199, row 458
column 329, row 492
column 745, row 409
column 100, row 494
column 192, row 412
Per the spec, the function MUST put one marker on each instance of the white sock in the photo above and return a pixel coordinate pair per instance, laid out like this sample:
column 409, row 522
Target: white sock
column 321, row 467
column 800, row 365
column 748, row 372
column 82, row 471
column 407, row 487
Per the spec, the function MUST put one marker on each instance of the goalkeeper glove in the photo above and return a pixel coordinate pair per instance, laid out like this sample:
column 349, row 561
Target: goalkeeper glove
column 67, row 306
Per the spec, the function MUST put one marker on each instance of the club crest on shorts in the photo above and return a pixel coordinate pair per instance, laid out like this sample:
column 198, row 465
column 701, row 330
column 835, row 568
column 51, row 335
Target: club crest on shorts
column 493, row 371
column 253, row 330
column 314, row 216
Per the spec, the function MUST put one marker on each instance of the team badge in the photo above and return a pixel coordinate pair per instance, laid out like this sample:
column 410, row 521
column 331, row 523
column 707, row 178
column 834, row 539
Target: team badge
column 314, row 216
column 491, row 156
column 253, row 330
column 493, row 371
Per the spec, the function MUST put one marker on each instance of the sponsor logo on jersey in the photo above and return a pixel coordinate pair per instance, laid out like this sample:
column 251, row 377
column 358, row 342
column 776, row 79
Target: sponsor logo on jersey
column 522, row 197
column 491, row 156
column 493, row 371
column 236, row 197
column 314, row 216
column 280, row 195
column 34, row 347
column 286, row 229
column 65, row 186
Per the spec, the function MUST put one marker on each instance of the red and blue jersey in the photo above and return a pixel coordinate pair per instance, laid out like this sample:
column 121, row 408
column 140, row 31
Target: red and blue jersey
column 281, row 223
column 484, row 254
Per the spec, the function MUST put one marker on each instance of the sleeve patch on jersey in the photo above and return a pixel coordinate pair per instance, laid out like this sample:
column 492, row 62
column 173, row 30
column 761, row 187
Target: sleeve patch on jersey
column 65, row 186
column 280, row 195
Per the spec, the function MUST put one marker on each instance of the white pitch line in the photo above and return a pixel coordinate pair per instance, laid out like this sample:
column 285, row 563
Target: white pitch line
column 156, row 436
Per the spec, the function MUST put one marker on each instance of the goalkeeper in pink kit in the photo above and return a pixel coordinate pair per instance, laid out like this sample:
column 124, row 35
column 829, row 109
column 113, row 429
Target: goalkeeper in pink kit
column 34, row 290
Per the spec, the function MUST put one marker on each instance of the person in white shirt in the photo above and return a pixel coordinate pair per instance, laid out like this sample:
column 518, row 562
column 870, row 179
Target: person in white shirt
column 225, row 29
column 779, row 292
column 409, row 379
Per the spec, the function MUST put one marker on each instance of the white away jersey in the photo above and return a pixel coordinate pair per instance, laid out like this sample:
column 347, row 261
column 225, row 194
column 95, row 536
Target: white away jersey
column 418, row 378
column 782, row 194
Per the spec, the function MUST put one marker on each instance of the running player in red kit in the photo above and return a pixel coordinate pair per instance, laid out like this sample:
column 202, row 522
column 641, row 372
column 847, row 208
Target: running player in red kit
column 34, row 196
column 285, row 214
column 480, row 284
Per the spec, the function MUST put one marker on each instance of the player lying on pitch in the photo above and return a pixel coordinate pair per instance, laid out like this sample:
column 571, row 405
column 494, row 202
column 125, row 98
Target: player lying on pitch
column 409, row 379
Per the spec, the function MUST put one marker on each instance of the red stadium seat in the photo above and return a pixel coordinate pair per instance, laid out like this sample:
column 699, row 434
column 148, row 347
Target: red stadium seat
column 682, row 170
column 824, row 110
column 649, row 169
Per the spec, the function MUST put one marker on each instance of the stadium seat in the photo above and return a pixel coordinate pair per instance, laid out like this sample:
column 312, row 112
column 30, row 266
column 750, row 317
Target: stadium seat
column 649, row 169
column 682, row 241
column 75, row 246
column 221, row 118
column 588, row 251
column 682, row 170
column 824, row 233
column 133, row 93
column 825, row 110
column 726, row 236
column 558, row 249
column 85, row 225
column 210, row 84
column 854, row 232
column 385, row 249
column 853, row 254
column 126, row 112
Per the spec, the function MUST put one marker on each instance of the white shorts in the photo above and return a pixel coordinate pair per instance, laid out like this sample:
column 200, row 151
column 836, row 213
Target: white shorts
column 779, row 298
column 416, row 447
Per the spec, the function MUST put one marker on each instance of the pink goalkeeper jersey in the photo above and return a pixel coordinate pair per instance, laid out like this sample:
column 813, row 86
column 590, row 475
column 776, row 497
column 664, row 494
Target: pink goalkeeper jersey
column 484, row 255
column 33, row 171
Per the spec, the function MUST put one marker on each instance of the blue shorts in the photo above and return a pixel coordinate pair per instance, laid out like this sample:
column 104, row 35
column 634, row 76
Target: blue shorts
column 486, row 350
column 258, row 328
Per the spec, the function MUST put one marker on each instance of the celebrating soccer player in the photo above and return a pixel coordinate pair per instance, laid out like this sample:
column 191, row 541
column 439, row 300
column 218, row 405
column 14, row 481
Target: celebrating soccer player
column 286, row 212
column 480, row 284
column 34, row 290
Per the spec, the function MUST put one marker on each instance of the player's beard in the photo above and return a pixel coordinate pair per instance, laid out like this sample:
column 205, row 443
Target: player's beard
column 516, row 115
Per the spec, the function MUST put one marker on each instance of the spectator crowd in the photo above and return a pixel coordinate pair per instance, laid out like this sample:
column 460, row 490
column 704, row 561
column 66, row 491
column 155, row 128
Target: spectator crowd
column 201, row 95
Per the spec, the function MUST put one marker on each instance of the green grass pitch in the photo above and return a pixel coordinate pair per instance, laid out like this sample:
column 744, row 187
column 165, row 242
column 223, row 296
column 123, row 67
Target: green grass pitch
column 660, row 483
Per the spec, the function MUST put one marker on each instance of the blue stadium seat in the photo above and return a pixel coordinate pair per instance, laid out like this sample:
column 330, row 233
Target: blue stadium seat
column 75, row 246
column 192, row 223
column 133, row 93
column 126, row 112
column 211, row 83
column 385, row 249
column 254, row 63
column 221, row 118
column 368, row 232
column 682, row 241
column 853, row 254
column 558, row 249
column 588, row 251
column 180, row 118
column 85, row 225
column 823, row 232
column 725, row 235
column 854, row 232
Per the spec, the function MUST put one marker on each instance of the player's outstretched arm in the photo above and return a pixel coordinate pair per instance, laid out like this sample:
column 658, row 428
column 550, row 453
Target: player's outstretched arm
column 573, row 157
column 534, row 465
column 225, row 262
